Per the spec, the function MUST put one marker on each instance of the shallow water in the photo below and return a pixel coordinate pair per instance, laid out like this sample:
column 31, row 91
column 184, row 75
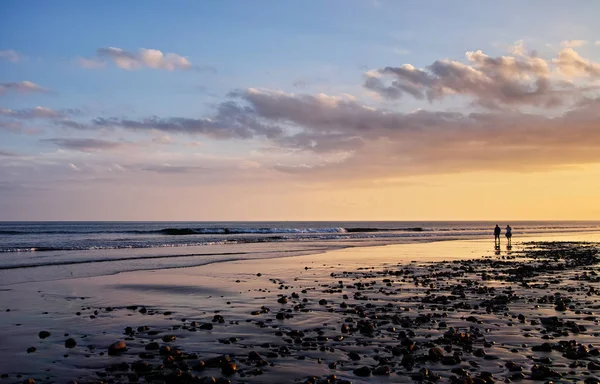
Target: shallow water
column 235, row 290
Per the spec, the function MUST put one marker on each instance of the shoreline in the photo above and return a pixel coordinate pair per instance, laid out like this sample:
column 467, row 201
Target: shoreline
column 202, row 255
column 173, row 299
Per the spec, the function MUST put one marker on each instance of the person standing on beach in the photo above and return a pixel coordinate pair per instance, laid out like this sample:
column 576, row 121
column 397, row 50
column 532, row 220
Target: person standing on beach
column 508, row 234
column 497, row 235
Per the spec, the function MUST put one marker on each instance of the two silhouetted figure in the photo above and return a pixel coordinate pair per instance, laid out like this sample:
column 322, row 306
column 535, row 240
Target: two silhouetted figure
column 508, row 234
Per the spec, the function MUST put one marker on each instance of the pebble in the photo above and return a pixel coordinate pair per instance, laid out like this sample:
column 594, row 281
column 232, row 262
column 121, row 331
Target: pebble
column 117, row 348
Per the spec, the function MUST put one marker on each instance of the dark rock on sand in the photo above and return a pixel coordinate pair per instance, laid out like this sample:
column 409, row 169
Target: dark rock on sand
column 117, row 348
column 70, row 343
column 362, row 371
column 43, row 334
column 168, row 338
column 540, row 372
column 31, row 349
column 450, row 360
column 354, row 356
column 382, row 370
column 545, row 347
column 153, row 346
column 593, row 366
column 436, row 354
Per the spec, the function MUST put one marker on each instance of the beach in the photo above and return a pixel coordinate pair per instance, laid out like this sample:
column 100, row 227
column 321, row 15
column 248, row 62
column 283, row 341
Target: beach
column 445, row 311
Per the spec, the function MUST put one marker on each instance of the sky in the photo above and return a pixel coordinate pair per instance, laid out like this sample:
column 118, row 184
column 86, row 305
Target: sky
column 299, row 110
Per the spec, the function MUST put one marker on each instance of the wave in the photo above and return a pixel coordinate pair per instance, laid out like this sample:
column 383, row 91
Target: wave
column 219, row 231
column 230, row 257
column 238, row 231
column 362, row 229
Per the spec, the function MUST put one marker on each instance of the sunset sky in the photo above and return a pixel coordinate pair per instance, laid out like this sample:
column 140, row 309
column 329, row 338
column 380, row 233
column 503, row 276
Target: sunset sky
column 299, row 110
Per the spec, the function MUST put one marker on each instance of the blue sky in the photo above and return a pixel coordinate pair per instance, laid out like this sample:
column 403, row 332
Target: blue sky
column 320, row 52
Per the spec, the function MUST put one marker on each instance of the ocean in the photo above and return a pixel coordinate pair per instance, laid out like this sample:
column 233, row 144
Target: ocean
column 40, row 251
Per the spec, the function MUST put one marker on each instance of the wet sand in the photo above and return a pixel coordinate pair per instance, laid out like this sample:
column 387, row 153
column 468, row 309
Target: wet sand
column 455, row 311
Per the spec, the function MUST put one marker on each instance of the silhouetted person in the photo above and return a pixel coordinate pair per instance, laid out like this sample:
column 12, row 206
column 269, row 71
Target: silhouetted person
column 508, row 234
column 497, row 235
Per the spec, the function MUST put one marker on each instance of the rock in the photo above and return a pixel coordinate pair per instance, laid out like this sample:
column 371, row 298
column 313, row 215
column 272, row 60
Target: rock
column 28, row 381
column 540, row 372
column 363, row 371
column 153, row 346
column 117, row 348
column 593, row 366
column 43, row 334
column 354, row 356
column 229, row 368
column 168, row 338
column 165, row 350
column 545, row 347
column 31, row 349
column 450, row 360
column 322, row 302
column 206, row 326
column 382, row 370
column 70, row 343
column 436, row 354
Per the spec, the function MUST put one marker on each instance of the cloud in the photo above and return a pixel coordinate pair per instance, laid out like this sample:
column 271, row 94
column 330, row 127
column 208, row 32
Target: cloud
column 573, row 43
column 326, row 137
column 10, row 55
column 33, row 113
column 91, row 63
column 377, row 143
column 7, row 154
column 401, row 51
column 493, row 82
column 143, row 58
column 171, row 169
column 571, row 64
column 11, row 126
column 232, row 121
column 23, row 87
column 84, row 145
column 395, row 144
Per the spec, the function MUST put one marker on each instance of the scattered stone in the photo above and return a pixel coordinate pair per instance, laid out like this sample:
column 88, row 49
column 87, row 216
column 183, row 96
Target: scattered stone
column 117, row 348
column 43, row 334
column 362, row 371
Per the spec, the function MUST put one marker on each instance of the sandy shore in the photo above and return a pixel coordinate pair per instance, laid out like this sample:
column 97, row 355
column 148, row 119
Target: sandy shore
column 446, row 311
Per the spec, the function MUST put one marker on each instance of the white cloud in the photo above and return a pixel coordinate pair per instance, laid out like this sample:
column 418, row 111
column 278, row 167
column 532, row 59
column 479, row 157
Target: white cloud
column 143, row 58
column 400, row 51
column 571, row 64
column 493, row 82
column 23, row 87
column 573, row 43
column 10, row 55
column 33, row 113
column 91, row 63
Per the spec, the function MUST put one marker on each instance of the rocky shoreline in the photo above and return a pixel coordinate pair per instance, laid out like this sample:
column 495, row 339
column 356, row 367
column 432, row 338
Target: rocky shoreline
column 529, row 315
